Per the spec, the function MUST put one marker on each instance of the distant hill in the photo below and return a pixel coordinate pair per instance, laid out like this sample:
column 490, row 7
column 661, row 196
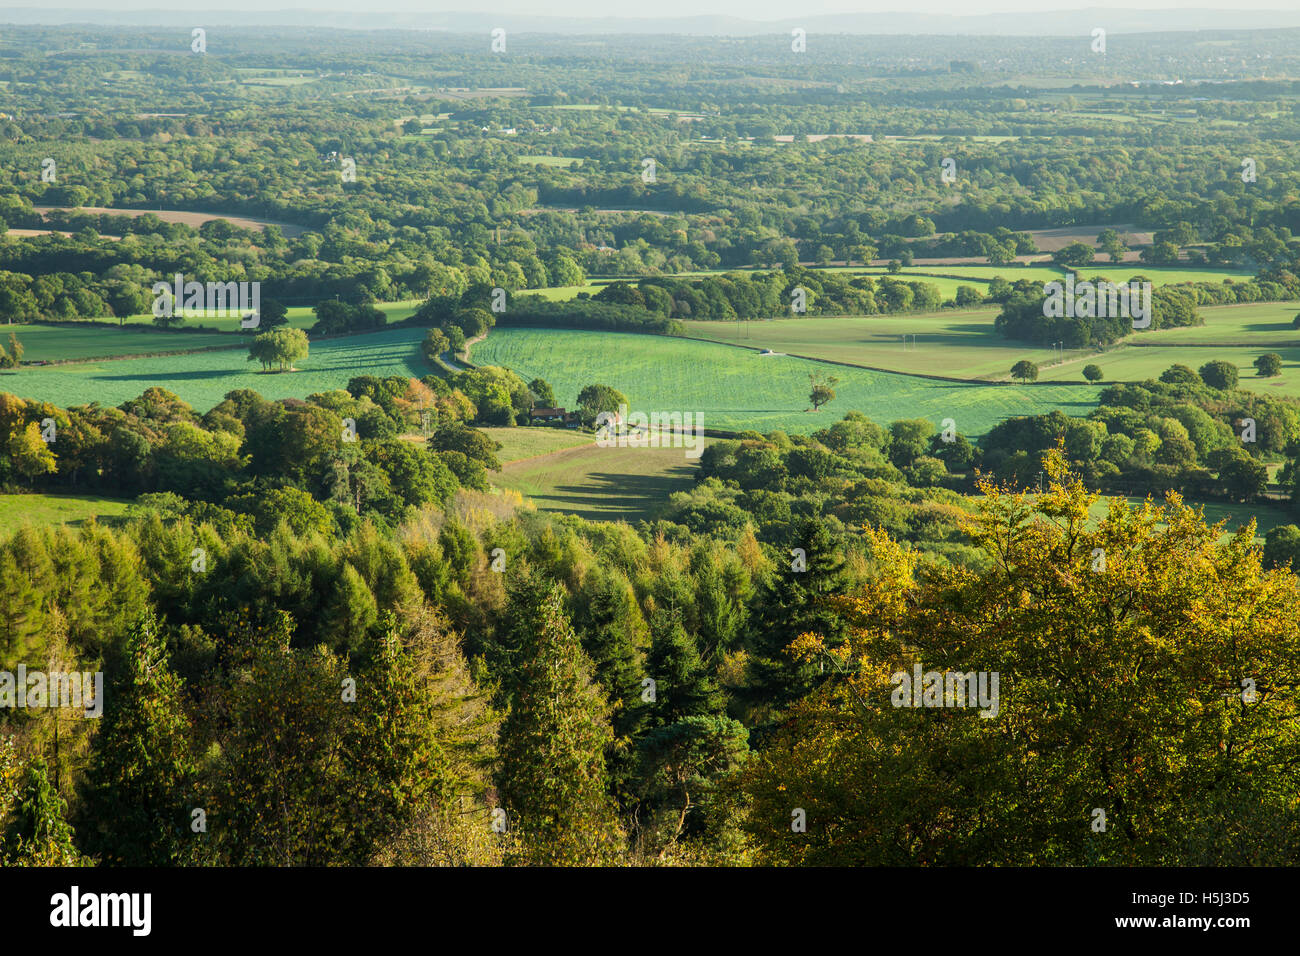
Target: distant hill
column 1057, row 23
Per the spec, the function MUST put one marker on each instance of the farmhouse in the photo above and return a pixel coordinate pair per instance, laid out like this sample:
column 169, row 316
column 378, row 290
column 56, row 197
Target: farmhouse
column 552, row 416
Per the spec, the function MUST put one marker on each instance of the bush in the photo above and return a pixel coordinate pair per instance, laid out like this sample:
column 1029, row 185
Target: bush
column 1219, row 374
column 1269, row 365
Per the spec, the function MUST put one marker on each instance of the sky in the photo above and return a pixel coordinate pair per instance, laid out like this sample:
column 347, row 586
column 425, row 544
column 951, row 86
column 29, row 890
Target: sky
column 650, row 9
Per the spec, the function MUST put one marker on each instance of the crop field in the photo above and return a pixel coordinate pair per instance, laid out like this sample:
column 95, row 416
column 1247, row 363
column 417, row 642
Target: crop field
column 1050, row 240
column 49, row 343
column 16, row 511
column 735, row 389
column 1255, row 324
column 187, row 216
column 202, row 379
column 1132, row 363
column 601, row 484
column 299, row 317
column 956, row 344
column 964, row 344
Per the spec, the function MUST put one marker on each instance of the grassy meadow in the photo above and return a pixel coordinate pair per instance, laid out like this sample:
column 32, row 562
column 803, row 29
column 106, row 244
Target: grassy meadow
column 17, row 511
column 202, row 379
column 735, row 389
column 601, row 484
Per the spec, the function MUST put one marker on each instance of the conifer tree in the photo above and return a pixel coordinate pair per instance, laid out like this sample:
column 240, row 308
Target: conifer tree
column 21, row 614
column 554, row 781
column 141, row 770
column 605, row 613
column 795, row 601
column 683, row 687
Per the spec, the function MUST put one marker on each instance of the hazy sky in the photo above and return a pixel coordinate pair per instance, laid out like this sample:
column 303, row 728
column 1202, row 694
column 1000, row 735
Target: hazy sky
column 749, row 9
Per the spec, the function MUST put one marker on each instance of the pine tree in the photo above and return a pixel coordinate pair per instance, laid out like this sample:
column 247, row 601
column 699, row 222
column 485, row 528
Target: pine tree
column 21, row 615
column 141, row 769
column 605, row 613
column 795, row 602
column 446, row 810
column 554, row 782
column 683, row 687
column 352, row 608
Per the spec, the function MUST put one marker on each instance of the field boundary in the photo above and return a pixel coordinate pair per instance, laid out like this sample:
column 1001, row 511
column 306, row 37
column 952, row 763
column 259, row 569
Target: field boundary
column 1215, row 345
column 243, row 344
column 889, row 371
column 132, row 355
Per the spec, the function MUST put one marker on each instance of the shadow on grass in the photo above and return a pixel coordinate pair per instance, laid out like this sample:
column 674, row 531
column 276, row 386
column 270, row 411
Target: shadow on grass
column 174, row 375
column 607, row 496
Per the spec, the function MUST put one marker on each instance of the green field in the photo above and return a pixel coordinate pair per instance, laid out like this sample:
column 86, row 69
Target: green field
column 1135, row 363
column 1012, row 272
column 52, row 343
column 1161, row 275
column 299, row 317
column 947, row 287
column 946, row 278
column 562, row 293
column 1267, row 515
column 203, row 378
column 736, row 389
column 1255, row 324
column 955, row 344
column 520, row 444
column 601, row 484
column 964, row 345
column 559, row 161
column 36, row 510
column 1234, row 333
column 1116, row 272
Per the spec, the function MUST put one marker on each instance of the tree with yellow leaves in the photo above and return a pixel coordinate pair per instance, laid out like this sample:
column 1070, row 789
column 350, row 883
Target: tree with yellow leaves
column 1145, row 709
column 24, row 451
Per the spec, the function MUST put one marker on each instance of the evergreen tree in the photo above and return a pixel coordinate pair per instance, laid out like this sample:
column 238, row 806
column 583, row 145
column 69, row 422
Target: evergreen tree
column 605, row 613
column 683, row 687
column 431, row 730
column 554, row 781
column 794, row 602
column 21, row 615
column 141, row 771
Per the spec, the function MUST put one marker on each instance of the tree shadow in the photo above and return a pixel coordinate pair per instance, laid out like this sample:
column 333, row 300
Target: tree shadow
column 610, row 496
